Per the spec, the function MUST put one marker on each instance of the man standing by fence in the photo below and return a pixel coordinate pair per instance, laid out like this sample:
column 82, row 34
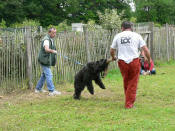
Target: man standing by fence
column 47, row 58
column 127, row 43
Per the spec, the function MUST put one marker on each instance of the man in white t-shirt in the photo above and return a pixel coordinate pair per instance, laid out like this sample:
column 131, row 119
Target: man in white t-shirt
column 128, row 43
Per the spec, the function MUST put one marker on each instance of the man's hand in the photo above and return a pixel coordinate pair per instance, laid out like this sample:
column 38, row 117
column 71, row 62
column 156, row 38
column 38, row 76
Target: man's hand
column 54, row 51
column 147, row 54
column 114, row 58
column 112, row 53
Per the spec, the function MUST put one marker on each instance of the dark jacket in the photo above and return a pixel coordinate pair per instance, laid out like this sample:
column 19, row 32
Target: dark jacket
column 45, row 58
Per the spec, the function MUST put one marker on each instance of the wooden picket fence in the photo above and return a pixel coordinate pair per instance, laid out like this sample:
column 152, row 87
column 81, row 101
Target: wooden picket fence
column 19, row 49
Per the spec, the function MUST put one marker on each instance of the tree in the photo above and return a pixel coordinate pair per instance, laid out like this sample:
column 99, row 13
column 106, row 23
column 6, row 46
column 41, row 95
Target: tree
column 161, row 11
column 110, row 19
column 88, row 9
column 53, row 12
column 11, row 11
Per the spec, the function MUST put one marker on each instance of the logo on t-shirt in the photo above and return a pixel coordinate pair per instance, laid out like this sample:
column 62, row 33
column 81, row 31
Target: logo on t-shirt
column 125, row 40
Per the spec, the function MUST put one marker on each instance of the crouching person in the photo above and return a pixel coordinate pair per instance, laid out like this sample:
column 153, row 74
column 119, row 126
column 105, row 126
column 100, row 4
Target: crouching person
column 146, row 68
column 47, row 58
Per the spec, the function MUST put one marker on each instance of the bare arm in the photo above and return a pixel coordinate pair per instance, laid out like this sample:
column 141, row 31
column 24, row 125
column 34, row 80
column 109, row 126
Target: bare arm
column 112, row 53
column 147, row 53
column 49, row 50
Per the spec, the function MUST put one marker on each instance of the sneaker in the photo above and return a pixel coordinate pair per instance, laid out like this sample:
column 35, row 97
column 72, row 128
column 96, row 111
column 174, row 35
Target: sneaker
column 54, row 93
column 40, row 91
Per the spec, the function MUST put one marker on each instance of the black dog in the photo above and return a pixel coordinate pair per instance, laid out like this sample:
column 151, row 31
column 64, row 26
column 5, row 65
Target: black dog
column 88, row 73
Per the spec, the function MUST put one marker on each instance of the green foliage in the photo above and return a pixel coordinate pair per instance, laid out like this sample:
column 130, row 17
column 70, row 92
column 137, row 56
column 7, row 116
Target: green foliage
column 26, row 22
column 159, row 63
column 63, row 26
column 110, row 19
column 133, row 19
column 91, row 25
column 56, row 11
column 3, row 24
column 12, row 11
column 160, row 11
column 157, row 25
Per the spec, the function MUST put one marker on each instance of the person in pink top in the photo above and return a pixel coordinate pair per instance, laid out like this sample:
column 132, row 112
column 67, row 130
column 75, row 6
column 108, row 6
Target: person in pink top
column 146, row 68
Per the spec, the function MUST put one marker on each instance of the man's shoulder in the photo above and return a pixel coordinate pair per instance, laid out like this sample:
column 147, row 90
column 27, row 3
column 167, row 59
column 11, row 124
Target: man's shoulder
column 137, row 34
column 46, row 37
column 118, row 35
column 127, row 33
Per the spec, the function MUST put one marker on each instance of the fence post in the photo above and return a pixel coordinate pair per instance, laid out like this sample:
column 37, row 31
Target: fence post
column 174, row 47
column 87, row 43
column 152, row 40
column 40, row 29
column 167, row 42
column 29, row 59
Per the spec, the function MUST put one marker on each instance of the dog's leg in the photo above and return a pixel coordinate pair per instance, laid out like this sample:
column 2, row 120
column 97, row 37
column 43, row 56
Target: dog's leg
column 100, row 83
column 90, row 87
column 78, row 89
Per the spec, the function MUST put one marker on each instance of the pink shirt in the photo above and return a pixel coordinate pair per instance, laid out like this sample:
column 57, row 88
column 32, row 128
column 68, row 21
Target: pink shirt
column 146, row 66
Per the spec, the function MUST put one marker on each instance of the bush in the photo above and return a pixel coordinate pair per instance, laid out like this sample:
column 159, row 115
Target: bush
column 26, row 22
column 61, row 27
column 91, row 25
column 110, row 19
column 3, row 24
column 133, row 19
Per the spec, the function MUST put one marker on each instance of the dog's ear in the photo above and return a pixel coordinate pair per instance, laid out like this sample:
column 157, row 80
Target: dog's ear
column 92, row 66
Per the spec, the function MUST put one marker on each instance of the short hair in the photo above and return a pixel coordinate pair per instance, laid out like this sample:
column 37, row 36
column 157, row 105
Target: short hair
column 50, row 29
column 126, row 25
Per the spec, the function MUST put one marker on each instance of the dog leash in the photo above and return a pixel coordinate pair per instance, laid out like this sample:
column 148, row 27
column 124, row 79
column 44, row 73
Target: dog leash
column 76, row 62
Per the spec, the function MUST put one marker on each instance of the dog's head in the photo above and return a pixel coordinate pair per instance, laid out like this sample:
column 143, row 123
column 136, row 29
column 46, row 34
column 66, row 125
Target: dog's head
column 99, row 66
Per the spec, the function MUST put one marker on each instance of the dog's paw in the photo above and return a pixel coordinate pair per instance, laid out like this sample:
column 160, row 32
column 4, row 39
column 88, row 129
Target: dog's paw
column 103, row 87
column 92, row 93
column 76, row 97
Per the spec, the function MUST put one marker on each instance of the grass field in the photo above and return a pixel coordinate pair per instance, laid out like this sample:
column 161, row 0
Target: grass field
column 154, row 107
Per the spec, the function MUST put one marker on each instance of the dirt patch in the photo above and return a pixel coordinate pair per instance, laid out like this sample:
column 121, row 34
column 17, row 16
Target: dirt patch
column 22, row 96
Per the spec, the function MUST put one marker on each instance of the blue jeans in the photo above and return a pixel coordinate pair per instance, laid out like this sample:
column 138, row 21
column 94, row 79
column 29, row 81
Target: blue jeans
column 46, row 75
column 153, row 71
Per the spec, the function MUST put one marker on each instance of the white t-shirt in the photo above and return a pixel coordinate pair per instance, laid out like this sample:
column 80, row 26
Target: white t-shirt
column 128, row 44
column 46, row 42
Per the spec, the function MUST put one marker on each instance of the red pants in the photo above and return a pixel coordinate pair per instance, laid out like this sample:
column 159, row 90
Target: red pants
column 130, row 73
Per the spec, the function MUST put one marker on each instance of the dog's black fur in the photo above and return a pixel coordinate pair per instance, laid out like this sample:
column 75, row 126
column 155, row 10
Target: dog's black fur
column 88, row 73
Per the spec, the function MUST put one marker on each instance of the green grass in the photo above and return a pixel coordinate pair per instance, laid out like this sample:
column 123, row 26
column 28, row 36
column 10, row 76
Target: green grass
column 154, row 107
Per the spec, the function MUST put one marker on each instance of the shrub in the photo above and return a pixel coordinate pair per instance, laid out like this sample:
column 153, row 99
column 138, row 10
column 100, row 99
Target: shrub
column 110, row 19
column 26, row 22
column 3, row 24
column 61, row 27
